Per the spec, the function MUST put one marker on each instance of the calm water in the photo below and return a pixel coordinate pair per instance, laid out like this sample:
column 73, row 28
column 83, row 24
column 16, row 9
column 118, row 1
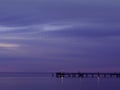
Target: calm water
column 33, row 82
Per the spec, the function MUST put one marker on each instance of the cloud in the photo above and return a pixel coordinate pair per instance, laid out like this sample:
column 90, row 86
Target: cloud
column 9, row 28
column 56, row 27
column 59, row 29
column 30, row 32
column 36, row 28
column 9, row 45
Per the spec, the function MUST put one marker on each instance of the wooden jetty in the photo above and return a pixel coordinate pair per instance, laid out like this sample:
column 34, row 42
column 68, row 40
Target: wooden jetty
column 87, row 75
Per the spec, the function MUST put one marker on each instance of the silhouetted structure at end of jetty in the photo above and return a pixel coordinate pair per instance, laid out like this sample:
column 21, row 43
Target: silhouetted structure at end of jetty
column 87, row 75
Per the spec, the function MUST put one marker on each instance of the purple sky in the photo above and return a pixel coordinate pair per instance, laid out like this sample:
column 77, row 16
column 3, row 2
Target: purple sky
column 59, row 35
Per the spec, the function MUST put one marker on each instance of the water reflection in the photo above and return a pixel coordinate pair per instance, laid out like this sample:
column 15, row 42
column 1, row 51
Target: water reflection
column 52, row 83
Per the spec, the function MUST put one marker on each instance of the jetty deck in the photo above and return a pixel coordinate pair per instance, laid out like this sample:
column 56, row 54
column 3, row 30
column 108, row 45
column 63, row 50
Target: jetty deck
column 86, row 75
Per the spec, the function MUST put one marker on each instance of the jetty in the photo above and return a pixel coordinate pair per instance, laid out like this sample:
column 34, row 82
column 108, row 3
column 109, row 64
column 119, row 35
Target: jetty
column 87, row 75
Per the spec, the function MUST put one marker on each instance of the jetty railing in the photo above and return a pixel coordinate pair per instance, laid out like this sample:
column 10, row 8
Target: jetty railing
column 86, row 75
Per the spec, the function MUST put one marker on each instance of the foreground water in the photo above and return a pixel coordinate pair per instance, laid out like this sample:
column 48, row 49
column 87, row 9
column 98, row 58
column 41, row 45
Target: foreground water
column 46, row 82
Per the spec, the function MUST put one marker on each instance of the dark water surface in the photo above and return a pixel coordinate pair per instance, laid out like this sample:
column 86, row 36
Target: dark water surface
column 33, row 82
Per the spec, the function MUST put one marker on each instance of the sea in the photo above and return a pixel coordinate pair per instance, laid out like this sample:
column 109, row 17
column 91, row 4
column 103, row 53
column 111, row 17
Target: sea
column 38, row 81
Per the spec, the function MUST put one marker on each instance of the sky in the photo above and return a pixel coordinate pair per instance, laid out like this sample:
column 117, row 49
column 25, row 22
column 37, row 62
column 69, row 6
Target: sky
column 59, row 35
